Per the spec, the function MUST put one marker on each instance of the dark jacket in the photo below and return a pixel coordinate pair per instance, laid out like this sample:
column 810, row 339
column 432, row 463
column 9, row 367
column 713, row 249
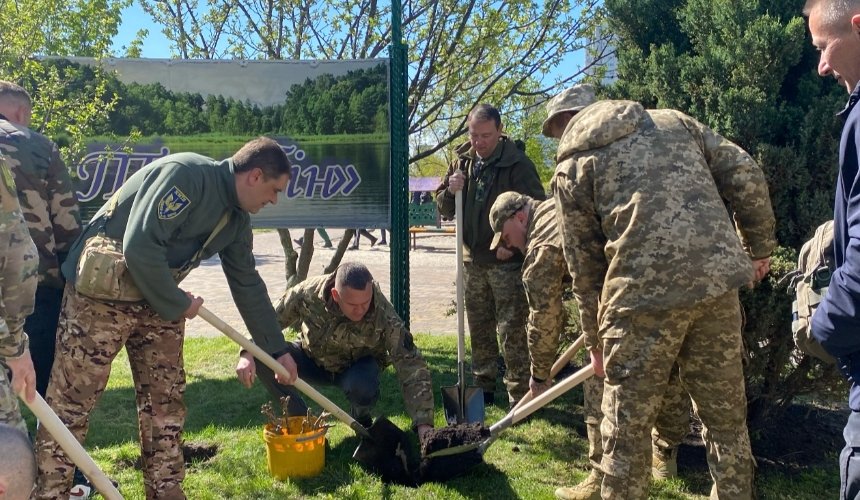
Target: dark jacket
column 507, row 169
column 836, row 323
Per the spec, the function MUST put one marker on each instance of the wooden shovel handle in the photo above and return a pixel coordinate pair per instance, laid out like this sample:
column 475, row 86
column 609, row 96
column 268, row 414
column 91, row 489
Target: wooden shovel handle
column 49, row 420
column 276, row 367
column 557, row 366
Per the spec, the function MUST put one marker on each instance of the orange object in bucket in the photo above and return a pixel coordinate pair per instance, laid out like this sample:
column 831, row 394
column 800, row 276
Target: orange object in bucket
column 297, row 454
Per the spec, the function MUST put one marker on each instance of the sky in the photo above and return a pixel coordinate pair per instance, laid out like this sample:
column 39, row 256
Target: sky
column 133, row 19
column 156, row 46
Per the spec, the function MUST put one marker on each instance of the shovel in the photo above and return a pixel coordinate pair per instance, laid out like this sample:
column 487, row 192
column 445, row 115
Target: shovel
column 49, row 420
column 384, row 448
column 560, row 363
column 462, row 404
column 441, row 463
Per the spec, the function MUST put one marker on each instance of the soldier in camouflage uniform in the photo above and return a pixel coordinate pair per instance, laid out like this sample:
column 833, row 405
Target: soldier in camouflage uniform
column 672, row 423
column 644, row 225
column 166, row 219
column 348, row 332
column 18, row 267
column 48, row 200
column 486, row 166
column 531, row 226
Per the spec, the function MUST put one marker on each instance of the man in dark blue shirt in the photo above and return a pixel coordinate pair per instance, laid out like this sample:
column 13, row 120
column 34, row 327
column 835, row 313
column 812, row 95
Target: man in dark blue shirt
column 835, row 29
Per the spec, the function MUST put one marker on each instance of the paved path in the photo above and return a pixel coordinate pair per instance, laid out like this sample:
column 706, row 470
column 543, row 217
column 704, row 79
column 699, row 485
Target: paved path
column 432, row 280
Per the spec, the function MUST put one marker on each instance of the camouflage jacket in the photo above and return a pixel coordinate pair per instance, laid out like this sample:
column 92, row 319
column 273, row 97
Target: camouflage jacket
column 335, row 342
column 46, row 195
column 13, row 341
column 643, row 197
column 507, row 169
column 544, row 270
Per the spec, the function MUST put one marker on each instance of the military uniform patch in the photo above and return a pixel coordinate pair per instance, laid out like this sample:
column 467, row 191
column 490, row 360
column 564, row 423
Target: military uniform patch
column 172, row 203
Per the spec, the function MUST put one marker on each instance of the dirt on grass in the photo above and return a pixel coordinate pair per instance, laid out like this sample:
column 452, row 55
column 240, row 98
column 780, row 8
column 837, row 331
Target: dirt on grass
column 804, row 436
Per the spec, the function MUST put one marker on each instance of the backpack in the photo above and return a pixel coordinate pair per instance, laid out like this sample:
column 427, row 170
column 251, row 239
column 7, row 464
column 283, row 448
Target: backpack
column 809, row 284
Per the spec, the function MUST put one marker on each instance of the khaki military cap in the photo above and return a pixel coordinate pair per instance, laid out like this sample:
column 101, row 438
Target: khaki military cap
column 505, row 206
column 570, row 99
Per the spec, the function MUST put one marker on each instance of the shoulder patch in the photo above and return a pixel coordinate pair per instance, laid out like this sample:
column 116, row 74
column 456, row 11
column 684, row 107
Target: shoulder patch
column 172, row 204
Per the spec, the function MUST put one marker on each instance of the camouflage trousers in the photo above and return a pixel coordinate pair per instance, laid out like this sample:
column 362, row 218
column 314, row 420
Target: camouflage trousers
column 639, row 353
column 90, row 335
column 19, row 263
column 670, row 428
column 497, row 310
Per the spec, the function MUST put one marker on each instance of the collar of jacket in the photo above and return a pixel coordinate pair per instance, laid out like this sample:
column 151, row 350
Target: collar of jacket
column 230, row 177
column 852, row 100
column 530, row 224
column 334, row 308
column 505, row 155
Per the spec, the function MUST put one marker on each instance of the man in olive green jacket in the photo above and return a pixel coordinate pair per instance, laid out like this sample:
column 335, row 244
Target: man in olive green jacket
column 488, row 165
column 163, row 215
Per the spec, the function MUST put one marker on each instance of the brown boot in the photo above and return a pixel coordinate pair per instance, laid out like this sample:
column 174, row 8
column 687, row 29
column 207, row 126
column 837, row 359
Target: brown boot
column 589, row 489
column 664, row 462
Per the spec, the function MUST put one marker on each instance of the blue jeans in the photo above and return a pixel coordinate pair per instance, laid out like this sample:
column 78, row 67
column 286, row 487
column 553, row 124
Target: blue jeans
column 359, row 383
column 41, row 327
column 849, row 459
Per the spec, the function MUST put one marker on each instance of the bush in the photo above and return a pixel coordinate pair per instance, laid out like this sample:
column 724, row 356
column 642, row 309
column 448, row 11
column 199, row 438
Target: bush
column 776, row 373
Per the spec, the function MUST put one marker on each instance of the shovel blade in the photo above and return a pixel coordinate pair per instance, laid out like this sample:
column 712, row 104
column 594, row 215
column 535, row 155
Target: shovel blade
column 388, row 453
column 473, row 405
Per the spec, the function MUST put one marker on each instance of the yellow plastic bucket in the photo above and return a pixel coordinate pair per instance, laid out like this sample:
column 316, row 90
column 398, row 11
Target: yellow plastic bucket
column 297, row 454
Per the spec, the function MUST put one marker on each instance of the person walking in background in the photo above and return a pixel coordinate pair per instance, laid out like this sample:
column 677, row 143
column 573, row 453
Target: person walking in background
column 486, row 166
column 323, row 234
column 356, row 239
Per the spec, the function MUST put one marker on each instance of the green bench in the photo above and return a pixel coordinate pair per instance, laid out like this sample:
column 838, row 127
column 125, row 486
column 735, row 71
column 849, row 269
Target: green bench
column 424, row 218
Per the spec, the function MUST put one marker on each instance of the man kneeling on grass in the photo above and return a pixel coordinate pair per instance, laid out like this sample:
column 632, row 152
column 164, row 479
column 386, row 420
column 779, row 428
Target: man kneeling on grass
column 348, row 332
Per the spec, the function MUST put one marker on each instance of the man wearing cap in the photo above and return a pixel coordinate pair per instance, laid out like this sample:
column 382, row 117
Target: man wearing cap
column 672, row 423
column 642, row 201
column 531, row 226
column 486, row 166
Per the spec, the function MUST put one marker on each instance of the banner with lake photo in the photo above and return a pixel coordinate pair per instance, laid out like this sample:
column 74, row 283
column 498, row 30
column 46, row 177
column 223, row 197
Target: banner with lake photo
column 331, row 118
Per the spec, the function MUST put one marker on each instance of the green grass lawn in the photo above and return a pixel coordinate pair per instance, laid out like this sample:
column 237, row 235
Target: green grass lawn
column 529, row 461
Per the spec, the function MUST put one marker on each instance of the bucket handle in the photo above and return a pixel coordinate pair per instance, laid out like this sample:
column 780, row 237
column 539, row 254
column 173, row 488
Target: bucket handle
column 311, row 437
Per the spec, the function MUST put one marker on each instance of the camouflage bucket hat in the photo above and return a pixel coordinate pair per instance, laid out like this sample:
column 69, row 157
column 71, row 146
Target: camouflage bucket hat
column 570, row 99
column 505, row 206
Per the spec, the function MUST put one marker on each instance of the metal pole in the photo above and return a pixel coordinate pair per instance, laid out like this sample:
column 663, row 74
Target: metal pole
column 399, row 241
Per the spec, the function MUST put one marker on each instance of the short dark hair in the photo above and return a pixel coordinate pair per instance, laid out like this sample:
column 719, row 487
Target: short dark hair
column 485, row 112
column 263, row 153
column 353, row 275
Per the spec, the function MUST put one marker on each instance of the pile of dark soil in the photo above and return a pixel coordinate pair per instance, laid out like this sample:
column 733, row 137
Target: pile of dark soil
column 804, row 436
column 441, row 469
